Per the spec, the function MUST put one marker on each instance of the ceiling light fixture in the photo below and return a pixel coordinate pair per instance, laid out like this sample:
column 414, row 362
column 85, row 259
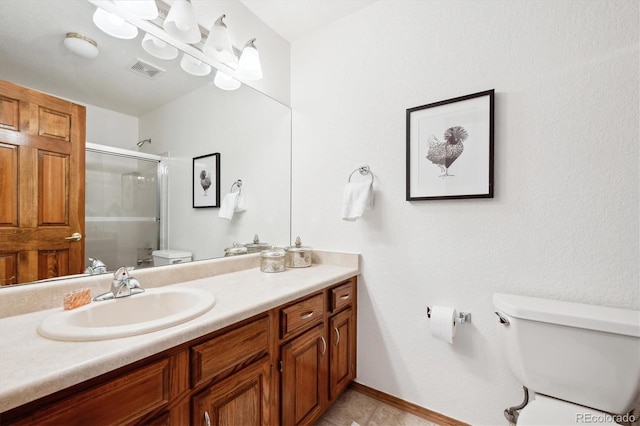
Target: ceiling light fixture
column 194, row 66
column 225, row 81
column 81, row 45
column 114, row 25
column 181, row 22
column 249, row 65
column 218, row 44
column 158, row 48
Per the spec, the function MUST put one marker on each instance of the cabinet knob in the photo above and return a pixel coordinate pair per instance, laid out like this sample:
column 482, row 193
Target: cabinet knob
column 324, row 345
column 207, row 419
column 337, row 335
column 307, row 315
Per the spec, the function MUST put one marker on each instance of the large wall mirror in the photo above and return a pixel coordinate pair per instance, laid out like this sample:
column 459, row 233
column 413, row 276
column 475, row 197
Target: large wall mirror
column 174, row 118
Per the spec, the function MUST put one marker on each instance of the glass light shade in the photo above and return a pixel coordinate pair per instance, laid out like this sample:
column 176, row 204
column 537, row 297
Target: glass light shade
column 194, row 66
column 225, row 81
column 249, row 65
column 218, row 44
column 81, row 45
column 182, row 23
column 114, row 25
column 143, row 9
column 158, row 48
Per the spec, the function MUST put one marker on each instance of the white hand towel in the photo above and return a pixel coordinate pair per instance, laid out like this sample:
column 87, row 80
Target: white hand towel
column 241, row 205
column 228, row 205
column 358, row 197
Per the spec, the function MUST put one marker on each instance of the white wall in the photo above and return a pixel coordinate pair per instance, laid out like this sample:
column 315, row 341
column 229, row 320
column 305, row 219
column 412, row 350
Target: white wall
column 564, row 222
column 106, row 127
column 252, row 132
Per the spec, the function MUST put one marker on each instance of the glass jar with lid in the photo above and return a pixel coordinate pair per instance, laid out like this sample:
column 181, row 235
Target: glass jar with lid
column 298, row 256
column 272, row 260
column 256, row 246
column 235, row 250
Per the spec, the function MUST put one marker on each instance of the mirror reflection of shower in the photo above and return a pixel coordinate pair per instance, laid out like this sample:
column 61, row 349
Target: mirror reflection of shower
column 142, row 142
column 124, row 201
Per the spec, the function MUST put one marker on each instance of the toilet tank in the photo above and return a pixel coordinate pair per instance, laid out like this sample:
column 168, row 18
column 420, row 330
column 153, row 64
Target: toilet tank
column 585, row 354
column 170, row 257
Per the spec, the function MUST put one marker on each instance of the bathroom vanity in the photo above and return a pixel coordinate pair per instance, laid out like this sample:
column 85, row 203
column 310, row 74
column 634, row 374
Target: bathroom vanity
column 275, row 349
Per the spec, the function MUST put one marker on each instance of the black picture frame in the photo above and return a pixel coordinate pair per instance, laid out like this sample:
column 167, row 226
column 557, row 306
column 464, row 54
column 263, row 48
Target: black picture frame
column 461, row 164
column 206, row 181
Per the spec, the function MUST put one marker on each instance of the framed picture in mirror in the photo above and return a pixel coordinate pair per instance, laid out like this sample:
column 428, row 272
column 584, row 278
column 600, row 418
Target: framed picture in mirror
column 206, row 181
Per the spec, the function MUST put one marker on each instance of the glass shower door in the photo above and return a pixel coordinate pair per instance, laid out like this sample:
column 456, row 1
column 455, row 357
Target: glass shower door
column 122, row 209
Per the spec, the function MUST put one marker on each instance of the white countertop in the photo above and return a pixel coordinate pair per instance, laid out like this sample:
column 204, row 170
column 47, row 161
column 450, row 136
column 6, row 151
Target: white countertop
column 32, row 366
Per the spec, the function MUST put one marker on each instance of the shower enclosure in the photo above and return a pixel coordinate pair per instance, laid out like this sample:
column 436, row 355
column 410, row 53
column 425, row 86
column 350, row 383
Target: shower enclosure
column 125, row 202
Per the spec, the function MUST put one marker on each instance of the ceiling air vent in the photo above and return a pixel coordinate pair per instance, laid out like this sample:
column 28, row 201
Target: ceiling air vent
column 145, row 69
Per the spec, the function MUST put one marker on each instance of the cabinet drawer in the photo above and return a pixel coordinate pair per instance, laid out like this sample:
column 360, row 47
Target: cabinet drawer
column 342, row 296
column 301, row 315
column 236, row 348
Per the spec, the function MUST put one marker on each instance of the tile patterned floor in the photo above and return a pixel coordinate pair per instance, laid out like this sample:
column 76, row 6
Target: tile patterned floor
column 354, row 407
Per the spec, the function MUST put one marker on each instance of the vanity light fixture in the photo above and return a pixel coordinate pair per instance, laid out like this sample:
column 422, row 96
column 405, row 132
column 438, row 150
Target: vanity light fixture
column 194, row 66
column 81, row 45
column 114, row 25
column 158, row 48
column 143, row 9
column 218, row 44
column 181, row 22
column 249, row 65
column 225, row 81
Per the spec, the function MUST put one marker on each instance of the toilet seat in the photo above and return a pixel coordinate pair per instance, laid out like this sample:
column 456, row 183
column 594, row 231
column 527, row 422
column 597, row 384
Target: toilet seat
column 547, row 411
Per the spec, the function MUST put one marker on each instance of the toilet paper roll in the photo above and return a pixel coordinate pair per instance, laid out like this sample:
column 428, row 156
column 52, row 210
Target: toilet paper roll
column 443, row 323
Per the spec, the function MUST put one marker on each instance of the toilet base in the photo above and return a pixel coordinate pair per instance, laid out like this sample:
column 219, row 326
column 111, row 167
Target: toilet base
column 544, row 410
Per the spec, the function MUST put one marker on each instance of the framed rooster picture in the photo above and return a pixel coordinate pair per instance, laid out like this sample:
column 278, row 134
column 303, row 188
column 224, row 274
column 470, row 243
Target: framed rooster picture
column 450, row 148
column 206, row 181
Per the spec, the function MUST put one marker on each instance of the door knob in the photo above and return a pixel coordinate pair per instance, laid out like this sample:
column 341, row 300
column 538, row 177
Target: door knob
column 76, row 236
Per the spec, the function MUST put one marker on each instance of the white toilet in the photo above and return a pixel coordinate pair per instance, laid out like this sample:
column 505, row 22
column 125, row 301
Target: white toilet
column 581, row 362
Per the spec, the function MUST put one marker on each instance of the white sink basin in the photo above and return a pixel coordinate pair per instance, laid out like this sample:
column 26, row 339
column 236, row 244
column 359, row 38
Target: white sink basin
column 155, row 309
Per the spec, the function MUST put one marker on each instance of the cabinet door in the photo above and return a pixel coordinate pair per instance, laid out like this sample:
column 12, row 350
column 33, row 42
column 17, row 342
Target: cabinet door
column 342, row 352
column 304, row 377
column 241, row 399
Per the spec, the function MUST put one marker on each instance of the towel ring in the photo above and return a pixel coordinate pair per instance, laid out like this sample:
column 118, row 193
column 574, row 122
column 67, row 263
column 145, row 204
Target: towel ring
column 237, row 184
column 364, row 170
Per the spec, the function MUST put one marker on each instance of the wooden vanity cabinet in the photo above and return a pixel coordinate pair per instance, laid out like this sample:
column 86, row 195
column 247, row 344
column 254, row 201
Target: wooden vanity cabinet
column 138, row 396
column 240, row 399
column 228, row 377
column 342, row 338
column 231, row 376
column 317, row 362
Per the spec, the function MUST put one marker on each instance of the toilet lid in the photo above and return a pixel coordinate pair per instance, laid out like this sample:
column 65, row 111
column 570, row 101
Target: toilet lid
column 550, row 411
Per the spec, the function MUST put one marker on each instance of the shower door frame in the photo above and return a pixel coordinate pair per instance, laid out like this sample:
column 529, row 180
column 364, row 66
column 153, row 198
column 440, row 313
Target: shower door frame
column 162, row 187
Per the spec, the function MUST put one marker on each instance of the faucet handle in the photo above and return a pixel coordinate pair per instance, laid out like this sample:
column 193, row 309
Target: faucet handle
column 134, row 283
column 121, row 274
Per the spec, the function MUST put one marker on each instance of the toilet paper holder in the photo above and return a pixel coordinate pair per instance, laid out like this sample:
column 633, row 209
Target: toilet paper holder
column 463, row 317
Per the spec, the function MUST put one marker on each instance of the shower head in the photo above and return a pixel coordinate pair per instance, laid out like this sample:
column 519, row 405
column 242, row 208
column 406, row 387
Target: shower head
column 142, row 142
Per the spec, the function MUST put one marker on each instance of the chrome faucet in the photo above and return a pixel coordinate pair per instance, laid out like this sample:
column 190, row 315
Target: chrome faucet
column 122, row 285
column 97, row 267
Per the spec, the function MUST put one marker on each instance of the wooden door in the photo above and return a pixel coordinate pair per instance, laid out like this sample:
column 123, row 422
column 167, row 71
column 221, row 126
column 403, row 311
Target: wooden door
column 342, row 350
column 241, row 399
column 304, row 378
column 42, row 170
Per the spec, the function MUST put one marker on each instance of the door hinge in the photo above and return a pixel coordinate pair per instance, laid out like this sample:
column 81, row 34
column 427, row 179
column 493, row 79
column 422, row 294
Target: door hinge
column 280, row 366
